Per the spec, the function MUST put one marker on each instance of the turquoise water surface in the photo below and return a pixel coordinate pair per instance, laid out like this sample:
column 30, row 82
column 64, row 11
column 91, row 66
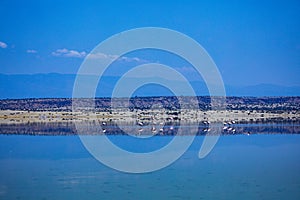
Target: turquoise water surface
column 239, row 167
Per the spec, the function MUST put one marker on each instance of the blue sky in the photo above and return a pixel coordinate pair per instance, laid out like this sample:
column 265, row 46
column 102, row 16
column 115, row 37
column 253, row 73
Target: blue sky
column 252, row 42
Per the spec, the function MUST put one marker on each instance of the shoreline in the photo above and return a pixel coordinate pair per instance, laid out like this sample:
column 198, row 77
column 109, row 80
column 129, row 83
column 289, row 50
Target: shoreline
column 148, row 122
column 155, row 115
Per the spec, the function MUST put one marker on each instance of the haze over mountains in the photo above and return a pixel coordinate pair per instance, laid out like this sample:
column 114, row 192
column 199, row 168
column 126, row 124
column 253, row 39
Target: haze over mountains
column 61, row 86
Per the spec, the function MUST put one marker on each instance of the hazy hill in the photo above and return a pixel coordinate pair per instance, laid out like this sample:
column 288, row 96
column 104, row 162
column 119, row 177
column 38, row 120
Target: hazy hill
column 61, row 85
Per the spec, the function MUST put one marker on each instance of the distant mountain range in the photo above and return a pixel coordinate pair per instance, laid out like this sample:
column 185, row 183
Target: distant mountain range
column 61, row 86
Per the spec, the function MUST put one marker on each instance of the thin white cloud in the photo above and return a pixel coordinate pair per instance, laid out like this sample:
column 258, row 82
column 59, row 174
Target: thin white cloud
column 129, row 59
column 113, row 57
column 76, row 54
column 69, row 53
column 31, row 51
column 3, row 45
column 102, row 56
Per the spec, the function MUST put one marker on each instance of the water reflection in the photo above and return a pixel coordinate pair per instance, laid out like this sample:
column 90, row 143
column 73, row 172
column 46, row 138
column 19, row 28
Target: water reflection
column 148, row 129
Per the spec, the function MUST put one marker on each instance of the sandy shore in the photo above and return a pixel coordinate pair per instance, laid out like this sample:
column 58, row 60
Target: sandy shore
column 10, row 116
column 150, row 122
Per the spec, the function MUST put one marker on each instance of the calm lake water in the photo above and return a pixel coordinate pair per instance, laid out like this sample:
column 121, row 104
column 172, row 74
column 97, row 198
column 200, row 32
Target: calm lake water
column 258, row 166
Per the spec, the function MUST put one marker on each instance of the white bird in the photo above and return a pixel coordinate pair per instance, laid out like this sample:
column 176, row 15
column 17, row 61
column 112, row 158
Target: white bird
column 140, row 130
column 140, row 123
column 153, row 129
